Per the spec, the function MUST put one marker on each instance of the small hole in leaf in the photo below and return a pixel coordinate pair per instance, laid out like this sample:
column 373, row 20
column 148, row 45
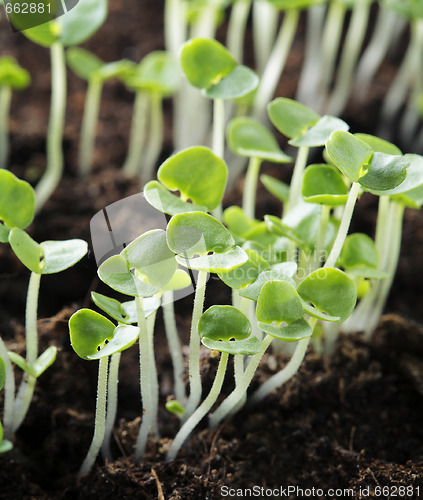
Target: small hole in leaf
column 106, row 341
column 98, row 348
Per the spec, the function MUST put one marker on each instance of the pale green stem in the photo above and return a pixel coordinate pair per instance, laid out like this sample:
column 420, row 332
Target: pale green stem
column 381, row 225
column 194, row 346
column 26, row 388
column 239, row 371
column 206, row 23
column 9, row 392
column 53, row 173
column 89, row 126
column 276, row 62
column 5, row 99
column 218, row 139
column 201, row 411
column 100, row 418
column 352, row 46
column 112, row 403
column 174, row 346
column 319, row 252
column 146, row 396
column 250, row 188
column 311, row 65
column 175, row 27
column 133, row 162
column 236, row 28
column 297, row 178
column 330, row 43
column 154, row 381
column 155, row 138
column 265, row 25
column 344, row 226
column 241, row 388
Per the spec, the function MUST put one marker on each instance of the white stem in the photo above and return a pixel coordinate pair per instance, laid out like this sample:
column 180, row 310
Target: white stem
column 5, row 99
column 154, row 380
column 276, row 62
column 9, row 392
column 297, row 178
column 132, row 165
column 89, row 125
column 236, row 28
column 194, row 346
column 155, row 138
column 174, row 346
column 53, row 173
column 175, row 27
column 265, row 24
column 112, row 403
column 100, row 418
column 219, row 127
column 201, row 411
column 250, row 188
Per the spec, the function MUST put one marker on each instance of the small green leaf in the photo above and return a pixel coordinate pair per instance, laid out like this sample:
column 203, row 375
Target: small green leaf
column 116, row 273
column 4, row 233
column 17, row 201
column 247, row 273
column 290, row 117
column 124, row 336
column 60, row 255
column 239, row 83
column 125, row 312
column 2, row 373
column 276, row 187
column 27, row 250
column 47, row 358
column 224, row 323
column 163, row 200
column 150, row 256
column 198, row 174
column 5, row 445
column 320, row 132
column 22, row 363
column 83, row 63
column 175, row 407
column 312, row 311
column 278, row 301
column 379, row 145
column 359, row 257
column 89, row 331
column 413, row 180
column 217, row 262
column 349, row 154
column 246, row 347
column 237, row 221
column 179, row 281
column 331, row 291
column 12, row 75
column 324, row 184
column 194, row 233
column 384, row 172
column 283, row 271
column 296, row 330
column 248, row 137
column 205, row 62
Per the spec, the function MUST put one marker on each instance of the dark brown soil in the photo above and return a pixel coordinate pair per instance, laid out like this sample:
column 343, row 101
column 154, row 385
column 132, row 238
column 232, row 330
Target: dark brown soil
column 351, row 420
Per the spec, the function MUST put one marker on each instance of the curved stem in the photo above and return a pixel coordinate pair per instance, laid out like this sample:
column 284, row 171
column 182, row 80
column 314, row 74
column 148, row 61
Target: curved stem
column 201, row 411
column 53, row 173
column 174, row 346
column 276, row 62
column 155, row 139
column 344, row 226
column 112, row 401
column 241, row 388
column 132, row 165
column 5, row 99
column 297, row 178
column 194, row 346
column 250, row 188
column 236, row 28
column 100, row 418
column 89, row 125
column 9, row 392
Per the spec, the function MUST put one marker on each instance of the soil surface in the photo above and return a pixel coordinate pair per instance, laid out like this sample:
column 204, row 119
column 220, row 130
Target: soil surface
column 350, row 420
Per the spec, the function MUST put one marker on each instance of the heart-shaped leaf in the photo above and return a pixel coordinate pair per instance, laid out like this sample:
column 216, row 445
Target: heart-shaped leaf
column 217, row 262
column 17, row 201
column 296, row 330
column 198, row 174
column 324, row 184
column 205, row 62
column 240, row 82
column 359, row 257
column 331, row 291
column 60, row 255
column 124, row 336
column 384, row 172
column 278, row 301
column 125, row 312
column 150, row 256
column 224, row 323
column 27, row 250
column 290, row 117
column 12, row 75
column 248, row 137
column 89, row 332
column 163, row 200
column 320, row 132
column 194, row 233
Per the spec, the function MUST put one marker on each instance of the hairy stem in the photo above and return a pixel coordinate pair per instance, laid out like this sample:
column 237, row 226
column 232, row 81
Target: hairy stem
column 132, row 165
column 5, row 99
column 9, row 392
column 112, row 402
column 155, row 138
column 297, row 178
column 250, row 188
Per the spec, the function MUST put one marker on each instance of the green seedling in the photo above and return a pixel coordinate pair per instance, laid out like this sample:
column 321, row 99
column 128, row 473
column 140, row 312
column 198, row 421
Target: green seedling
column 153, row 79
column 75, row 27
column 96, row 72
column 249, row 138
column 199, row 176
column 94, row 337
column 224, row 329
column 12, row 77
column 5, row 445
